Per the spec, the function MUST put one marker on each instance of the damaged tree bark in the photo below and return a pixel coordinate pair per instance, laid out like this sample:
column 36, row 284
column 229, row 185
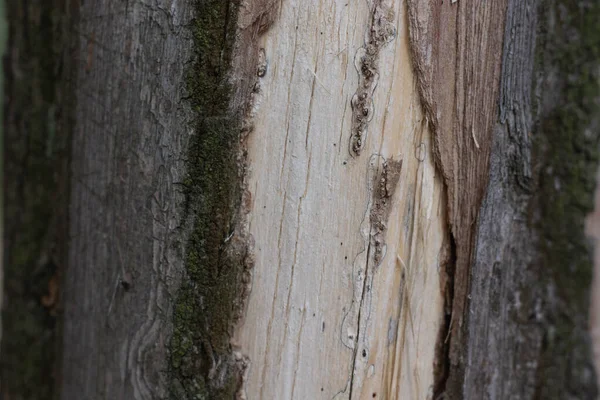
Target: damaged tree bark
column 307, row 200
column 522, row 270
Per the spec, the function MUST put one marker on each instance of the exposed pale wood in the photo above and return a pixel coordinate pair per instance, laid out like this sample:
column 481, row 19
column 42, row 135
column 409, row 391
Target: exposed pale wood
column 325, row 319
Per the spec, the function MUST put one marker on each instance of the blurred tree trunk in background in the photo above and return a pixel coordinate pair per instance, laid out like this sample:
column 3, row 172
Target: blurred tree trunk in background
column 38, row 116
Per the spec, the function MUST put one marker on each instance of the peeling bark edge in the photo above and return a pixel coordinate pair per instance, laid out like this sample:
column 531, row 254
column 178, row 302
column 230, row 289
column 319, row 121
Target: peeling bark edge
column 222, row 85
column 459, row 96
column 527, row 320
column 501, row 270
column 419, row 19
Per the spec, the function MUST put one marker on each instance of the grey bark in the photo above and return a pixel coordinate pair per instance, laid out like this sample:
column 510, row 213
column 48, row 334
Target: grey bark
column 126, row 250
column 505, row 338
column 528, row 314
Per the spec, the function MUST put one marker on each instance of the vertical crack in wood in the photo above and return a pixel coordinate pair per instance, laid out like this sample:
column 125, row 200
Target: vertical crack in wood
column 383, row 176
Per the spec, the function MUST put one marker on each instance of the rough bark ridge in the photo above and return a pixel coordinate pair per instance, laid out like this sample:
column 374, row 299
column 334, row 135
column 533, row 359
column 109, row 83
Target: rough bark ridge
column 37, row 135
column 221, row 84
column 455, row 48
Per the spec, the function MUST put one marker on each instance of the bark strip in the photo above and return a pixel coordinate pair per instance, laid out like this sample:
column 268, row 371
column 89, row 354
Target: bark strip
column 459, row 94
column 526, row 335
column 211, row 301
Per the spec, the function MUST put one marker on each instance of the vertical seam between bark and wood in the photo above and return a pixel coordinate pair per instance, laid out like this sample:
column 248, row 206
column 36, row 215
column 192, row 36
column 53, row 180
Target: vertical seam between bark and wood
column 460, row 161
column 204, row 362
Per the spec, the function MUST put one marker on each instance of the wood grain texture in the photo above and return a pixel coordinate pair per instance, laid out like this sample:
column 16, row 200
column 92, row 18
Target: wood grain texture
column 457, row 49
column 328, row 99
column 329, row 316
column 527, row 334
column 125, row 257
column 505, row 316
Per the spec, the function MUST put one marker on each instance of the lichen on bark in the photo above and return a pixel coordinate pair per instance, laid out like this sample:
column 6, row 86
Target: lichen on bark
column 203, row 364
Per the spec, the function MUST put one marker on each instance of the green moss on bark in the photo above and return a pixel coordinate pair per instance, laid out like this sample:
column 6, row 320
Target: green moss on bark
column 567, row 144
column 202, row 363
column 37, row 137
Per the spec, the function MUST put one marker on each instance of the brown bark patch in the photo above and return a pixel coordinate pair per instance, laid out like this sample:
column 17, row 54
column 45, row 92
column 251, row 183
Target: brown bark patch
column 457, row 50
column 382, row 206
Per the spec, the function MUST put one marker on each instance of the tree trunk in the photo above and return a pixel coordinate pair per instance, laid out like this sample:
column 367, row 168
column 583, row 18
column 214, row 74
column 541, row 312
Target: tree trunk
column 38, row 95
column 531, row 271
column 125, row 261
column 3, row 40
column 302, row 200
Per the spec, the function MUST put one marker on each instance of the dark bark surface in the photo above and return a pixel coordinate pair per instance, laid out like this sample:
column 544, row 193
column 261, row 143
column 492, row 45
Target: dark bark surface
column 38, row 116
column 528, row 314
column 151, row 98
column 127, row 243
column 505, row 336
